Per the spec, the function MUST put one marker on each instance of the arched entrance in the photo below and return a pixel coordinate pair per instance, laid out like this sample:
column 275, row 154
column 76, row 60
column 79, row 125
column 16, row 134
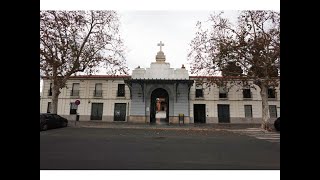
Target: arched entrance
column 159, row 106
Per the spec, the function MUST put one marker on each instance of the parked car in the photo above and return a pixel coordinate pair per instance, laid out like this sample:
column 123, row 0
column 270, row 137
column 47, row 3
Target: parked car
column 50, row 121
column 277, row 124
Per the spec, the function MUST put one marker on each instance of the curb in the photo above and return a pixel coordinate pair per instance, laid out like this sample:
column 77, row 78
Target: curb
column 148, row 128
column 215, row 127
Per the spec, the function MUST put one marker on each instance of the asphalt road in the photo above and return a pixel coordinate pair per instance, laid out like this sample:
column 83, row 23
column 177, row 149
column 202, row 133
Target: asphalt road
column 100, row 148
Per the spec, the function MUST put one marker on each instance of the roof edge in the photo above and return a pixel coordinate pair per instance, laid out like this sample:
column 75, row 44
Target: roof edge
column 93, row 76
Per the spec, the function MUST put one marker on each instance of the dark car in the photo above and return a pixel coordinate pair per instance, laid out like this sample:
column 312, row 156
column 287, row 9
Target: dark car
column 277, row 124
column 50, row 121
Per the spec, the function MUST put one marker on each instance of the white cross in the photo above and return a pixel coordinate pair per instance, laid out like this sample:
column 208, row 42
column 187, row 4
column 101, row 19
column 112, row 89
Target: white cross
column 160, row 44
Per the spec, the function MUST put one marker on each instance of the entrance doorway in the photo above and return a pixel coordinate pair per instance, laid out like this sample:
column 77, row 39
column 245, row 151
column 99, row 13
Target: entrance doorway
column 96, row 111
column 120, row 111
column 159, row 106
column 223, row 113
column 199, row 113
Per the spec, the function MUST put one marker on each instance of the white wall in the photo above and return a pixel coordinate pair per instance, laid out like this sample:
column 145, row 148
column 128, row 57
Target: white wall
column 109, row 98
column 235, row 100
column 87, row 87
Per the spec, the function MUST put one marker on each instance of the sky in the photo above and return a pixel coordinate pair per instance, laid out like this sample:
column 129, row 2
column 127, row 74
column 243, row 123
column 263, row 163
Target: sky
column 144, row 23
column 143, row 30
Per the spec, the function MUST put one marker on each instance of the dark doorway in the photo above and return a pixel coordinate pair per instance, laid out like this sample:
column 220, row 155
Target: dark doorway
column 199, row 112
column 120, row 111
column 96, row 111
column 163, row 96
column 223, row 113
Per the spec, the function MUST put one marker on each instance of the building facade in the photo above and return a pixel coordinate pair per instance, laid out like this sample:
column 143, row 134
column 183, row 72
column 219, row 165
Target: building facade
column 159, row 94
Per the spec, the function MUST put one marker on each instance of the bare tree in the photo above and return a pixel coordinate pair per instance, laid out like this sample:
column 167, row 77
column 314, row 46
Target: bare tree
column 231, row 69
column 78, row 41
column 253, row 44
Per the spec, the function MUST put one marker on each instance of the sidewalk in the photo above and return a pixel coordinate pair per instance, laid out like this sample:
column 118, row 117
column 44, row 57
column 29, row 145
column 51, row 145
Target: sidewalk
column 126, row 125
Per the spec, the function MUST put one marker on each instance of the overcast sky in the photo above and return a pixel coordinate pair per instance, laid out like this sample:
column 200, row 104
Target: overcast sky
column 143, row 30
column 143, row 27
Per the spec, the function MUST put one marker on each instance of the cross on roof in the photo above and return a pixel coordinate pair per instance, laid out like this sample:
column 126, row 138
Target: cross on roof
column 160, row 44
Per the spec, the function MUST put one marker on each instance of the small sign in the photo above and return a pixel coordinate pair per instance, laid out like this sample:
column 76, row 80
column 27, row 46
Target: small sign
column 77, row 102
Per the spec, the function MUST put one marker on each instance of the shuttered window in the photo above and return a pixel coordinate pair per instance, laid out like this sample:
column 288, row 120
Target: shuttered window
column 98, row 90
column 273, row 111
column 75, row 89
column 248, row 111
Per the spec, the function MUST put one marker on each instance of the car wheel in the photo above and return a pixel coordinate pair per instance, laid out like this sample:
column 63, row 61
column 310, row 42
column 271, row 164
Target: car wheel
column 44, row 127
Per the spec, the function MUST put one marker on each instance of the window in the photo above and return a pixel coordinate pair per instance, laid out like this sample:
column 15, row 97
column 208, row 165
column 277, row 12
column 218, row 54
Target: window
column 199, row 91
column 73, row 108
column 50, row 90
column 246, row 93
column 222, row 92
column 248, row 111
column 271, row 93
column 273, row 111
column 49, row 108
column 121, row 91
column 98, row 90
column 75, row 89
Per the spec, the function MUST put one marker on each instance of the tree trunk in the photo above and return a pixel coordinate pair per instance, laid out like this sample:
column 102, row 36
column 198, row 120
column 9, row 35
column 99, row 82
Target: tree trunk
column 55, row 95
column 265, row 106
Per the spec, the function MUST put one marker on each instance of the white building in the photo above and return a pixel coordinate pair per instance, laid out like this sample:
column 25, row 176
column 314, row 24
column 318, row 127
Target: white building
column 134, row 98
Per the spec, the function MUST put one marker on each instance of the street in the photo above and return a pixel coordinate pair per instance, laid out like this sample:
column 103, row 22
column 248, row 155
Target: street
column 105, row 148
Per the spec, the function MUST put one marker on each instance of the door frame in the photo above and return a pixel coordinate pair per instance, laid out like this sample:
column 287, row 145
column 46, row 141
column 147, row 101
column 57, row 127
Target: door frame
column 96, row 116
column 204, row 110
column 155, row 94
column 222, row 119
column 125, row 112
